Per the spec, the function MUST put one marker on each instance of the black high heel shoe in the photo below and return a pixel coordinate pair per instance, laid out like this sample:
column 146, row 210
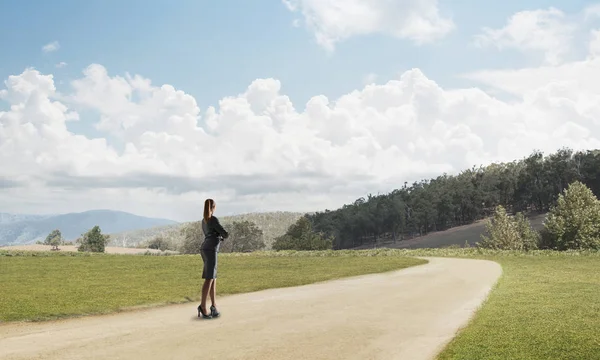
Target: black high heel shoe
column 214, row 312
column 201, row 313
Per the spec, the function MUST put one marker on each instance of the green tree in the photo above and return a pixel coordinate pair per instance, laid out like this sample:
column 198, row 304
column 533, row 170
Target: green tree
column 506, row 232
column 300, row 236
column 54, row 239
column 93, row 240
column 245, row 236
column 574, row 223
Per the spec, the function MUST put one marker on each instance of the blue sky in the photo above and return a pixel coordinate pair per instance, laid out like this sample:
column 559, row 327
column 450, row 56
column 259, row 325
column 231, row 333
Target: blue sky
column 213, row 49
column 156, row 158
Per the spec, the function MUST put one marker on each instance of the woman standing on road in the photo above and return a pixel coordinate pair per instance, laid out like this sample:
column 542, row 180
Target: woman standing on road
column 213, row 235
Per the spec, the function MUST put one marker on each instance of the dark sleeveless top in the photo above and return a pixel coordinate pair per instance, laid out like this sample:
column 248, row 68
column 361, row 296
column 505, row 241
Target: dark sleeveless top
column 213, row 234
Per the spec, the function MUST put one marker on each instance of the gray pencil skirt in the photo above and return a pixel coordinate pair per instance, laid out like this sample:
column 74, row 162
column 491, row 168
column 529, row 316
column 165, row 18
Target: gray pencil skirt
column 210, row 264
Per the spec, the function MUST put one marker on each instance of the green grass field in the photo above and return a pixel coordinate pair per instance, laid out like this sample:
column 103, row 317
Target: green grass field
column 542, row 308
column 55, row 285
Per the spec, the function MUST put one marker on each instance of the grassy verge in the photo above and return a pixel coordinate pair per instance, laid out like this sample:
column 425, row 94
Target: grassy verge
column 545, row 306
column 542, row 308
column 45, row 285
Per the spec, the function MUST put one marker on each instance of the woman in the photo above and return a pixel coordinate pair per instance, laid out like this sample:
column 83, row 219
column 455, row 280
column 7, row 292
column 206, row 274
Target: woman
column 213, row 235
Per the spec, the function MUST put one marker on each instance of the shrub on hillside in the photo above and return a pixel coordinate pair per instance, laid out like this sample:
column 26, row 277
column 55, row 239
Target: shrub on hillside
column 93, row 240
column 574, row 222
column 300, row 236
column 160, row 243
column 509, row 232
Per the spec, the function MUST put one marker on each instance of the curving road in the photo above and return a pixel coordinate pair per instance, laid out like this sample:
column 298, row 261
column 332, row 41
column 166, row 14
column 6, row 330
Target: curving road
column 406, row 314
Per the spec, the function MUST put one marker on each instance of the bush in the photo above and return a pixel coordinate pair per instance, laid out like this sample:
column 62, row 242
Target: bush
column 93, row 240
column 300, row 236
column 529, row 237
column 160, row 243
column 509, row 233
column 574, row 223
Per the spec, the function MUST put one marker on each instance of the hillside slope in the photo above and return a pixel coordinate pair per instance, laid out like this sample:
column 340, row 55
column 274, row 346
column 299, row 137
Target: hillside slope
column 27, row 229
column 456, row 236
column 273, row 224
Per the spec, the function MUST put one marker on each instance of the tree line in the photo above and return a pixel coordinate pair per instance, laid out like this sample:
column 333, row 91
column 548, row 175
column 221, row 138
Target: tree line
column 531, row 184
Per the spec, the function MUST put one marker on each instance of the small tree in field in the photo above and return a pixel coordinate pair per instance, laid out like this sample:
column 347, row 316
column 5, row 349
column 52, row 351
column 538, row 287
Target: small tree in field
column 509, row 233
column 54, row 239
column 93, row 240
column 574, row 223
column 300, row 236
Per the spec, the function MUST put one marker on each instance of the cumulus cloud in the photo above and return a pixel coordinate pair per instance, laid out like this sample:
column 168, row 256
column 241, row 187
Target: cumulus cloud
column 549, row 31
column 61, row 64
column 51, row 47
column 333, row 21
column 258, row 151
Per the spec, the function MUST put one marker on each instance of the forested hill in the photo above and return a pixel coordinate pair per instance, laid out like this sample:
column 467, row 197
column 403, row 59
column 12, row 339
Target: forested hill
column 531, row 184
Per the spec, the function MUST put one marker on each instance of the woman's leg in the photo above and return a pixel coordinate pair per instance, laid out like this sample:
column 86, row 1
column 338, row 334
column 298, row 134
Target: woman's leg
column 205, row 290
column 213, row 292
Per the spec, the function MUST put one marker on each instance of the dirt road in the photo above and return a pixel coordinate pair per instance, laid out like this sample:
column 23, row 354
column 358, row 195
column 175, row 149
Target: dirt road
column 407, row 314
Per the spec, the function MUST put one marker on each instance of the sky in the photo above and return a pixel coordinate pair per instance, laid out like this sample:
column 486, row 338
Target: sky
column 291, row 105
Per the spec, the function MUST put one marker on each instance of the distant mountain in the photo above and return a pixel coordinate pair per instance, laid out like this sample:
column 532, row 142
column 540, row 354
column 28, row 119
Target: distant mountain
column 6, row 218
column 17, row 229
column 273, row 224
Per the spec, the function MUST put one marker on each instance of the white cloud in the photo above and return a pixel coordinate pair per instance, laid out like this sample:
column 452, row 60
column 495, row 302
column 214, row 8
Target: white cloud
column 51, row 47
column 61, row 64
column 256, row 150
column 333, row 21
column 549, row 31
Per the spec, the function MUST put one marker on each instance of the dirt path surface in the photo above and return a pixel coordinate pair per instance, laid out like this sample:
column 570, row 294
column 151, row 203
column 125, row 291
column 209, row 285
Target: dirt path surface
column 406, row 314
